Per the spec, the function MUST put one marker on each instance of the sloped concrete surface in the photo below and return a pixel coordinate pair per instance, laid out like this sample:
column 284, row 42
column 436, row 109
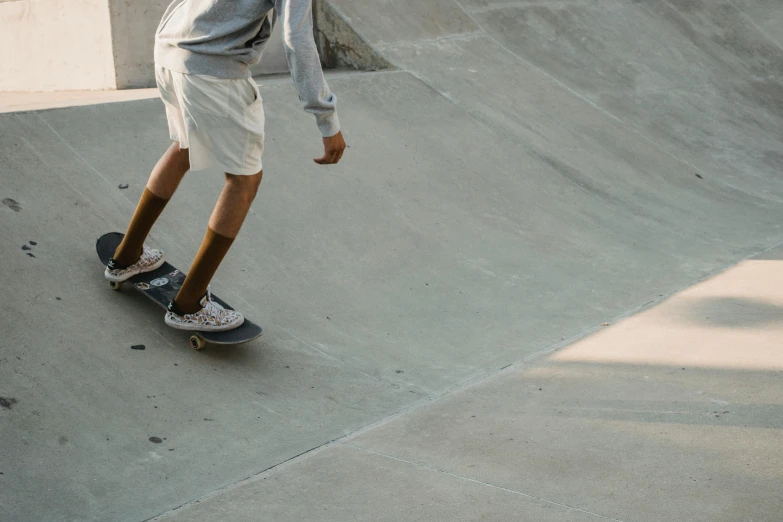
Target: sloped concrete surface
column 672, row 414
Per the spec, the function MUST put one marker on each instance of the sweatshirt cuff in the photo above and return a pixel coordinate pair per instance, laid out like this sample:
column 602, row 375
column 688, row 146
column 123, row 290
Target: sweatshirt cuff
column 328, row 124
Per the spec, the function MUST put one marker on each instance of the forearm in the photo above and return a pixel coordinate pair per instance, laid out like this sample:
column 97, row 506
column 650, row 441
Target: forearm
column 305, row 64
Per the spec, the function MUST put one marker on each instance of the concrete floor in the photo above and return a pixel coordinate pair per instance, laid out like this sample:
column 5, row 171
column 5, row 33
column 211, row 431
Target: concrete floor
column 433, row 306
column 673, row 414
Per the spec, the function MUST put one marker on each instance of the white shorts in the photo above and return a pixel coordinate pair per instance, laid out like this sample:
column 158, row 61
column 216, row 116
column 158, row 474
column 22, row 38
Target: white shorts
column 220, row 121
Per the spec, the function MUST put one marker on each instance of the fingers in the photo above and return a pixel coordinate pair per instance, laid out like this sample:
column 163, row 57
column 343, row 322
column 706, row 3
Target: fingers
column 327, row 159
column 330, row 157
column 334, row 146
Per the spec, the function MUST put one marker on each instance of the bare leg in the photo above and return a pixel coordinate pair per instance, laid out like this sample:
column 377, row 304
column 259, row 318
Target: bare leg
column 224, row 224
column 169, row 171
column 234, row 203
column 163, row 181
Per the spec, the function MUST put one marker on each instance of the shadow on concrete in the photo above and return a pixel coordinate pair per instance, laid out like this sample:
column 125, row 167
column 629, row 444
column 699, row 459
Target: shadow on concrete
column 685, row 395
column 731, row 312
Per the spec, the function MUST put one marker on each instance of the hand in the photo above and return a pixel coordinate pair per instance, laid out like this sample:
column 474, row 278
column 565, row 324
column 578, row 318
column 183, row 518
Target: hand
column 333, row 150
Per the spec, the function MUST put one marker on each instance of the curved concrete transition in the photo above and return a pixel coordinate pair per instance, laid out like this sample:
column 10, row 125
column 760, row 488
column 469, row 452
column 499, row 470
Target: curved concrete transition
column 530, row 172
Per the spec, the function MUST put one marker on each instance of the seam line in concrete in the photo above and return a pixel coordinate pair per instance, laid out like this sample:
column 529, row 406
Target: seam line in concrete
column 505, row 5
column 338, row 74
column 164, row 338
column 430, row 41
column 424, row 81
column 741, row 12
column 338, row 361
column 476, row 481
column 59, row 175
column 75, row 152
column 514, row 365
column 593, row 104
column 248, row 480
column 754, row 24
column 49, row 101
column 167, row 238
column 473, row 115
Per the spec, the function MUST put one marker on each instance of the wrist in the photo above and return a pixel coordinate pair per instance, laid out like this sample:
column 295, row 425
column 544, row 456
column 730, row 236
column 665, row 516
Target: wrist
column 328, row 124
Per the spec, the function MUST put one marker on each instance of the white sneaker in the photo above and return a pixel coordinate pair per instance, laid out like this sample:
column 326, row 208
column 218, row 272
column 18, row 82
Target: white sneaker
column 150, row 260
column 211, row 318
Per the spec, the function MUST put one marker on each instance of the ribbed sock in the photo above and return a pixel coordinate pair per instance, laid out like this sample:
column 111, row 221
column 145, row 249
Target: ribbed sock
column 213, row 250
column 149, row 208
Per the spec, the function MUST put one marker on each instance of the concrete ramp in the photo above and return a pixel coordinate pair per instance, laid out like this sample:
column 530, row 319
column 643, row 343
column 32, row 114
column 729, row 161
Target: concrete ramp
column 531, row 171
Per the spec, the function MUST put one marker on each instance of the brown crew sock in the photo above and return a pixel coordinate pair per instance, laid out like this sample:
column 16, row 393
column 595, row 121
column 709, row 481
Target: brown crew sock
column 149, row 208
column 211, row 253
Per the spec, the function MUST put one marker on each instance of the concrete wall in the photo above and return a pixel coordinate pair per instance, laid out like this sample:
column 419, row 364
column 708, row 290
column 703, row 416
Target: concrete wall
column 61, row 45
column 50, row 45
column 57, row 45
column 133, row 25
column 273, row 59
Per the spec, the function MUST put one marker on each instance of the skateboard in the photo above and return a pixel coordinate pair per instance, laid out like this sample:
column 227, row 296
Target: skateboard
column 162, row 285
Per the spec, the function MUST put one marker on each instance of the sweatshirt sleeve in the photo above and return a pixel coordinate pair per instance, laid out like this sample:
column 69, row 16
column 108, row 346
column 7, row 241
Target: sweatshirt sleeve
column 305, row 64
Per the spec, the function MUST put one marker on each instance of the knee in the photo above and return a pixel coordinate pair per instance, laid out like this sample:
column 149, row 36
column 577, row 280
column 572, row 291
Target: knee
column 246, row 186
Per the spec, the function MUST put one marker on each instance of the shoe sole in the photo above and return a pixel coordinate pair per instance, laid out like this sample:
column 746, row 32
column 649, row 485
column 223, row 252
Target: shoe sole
column 201, row 328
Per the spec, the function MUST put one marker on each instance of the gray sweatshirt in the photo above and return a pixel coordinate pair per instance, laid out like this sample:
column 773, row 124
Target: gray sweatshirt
column 222, row 38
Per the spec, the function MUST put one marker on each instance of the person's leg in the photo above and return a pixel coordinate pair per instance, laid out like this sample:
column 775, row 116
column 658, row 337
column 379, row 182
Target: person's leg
column 162, row 184
column 224, row 224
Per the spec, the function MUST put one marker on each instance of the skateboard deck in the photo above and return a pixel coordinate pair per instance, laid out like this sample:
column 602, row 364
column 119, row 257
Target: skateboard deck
column 162, row 285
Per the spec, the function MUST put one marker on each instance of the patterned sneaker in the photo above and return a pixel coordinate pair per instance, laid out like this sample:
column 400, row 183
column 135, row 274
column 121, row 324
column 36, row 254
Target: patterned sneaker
column 150, row 260
column 211, row 318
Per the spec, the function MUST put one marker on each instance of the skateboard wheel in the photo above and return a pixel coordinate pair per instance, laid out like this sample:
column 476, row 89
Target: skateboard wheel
column 115, row 285
column 197, row 342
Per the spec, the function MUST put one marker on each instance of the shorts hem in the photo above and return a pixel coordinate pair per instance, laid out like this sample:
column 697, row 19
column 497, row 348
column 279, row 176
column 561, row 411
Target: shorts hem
column 183, row 144
column 243, row 172
column 228, row 170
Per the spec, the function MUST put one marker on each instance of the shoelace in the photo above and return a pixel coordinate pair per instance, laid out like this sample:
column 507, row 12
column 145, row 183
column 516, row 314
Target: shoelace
column 211, row 307
column 146, row 256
